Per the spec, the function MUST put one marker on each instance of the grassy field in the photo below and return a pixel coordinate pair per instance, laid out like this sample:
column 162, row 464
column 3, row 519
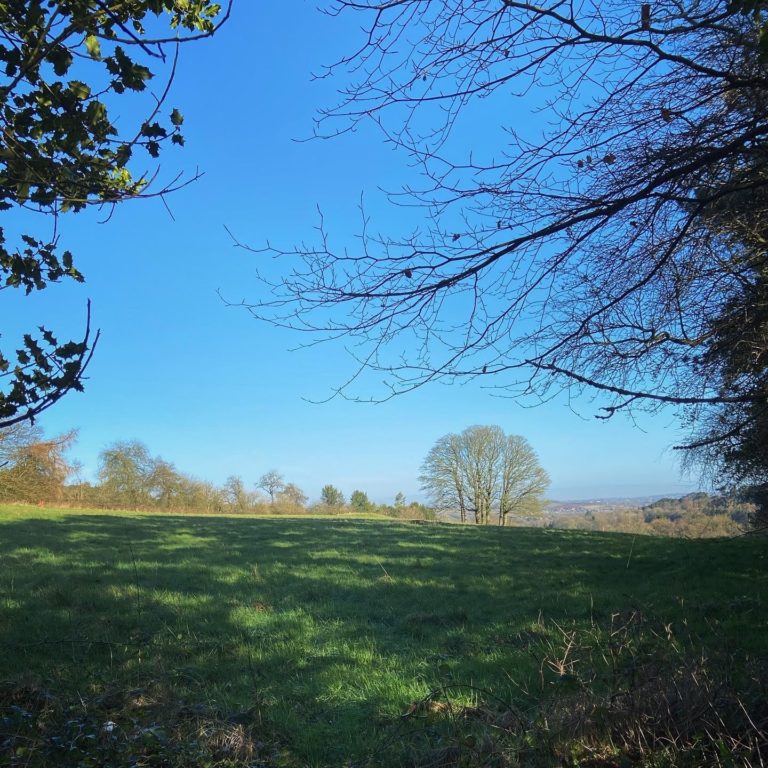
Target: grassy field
column 320, row 639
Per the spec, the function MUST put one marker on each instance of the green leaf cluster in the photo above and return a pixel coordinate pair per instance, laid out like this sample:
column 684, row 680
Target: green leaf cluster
column 62, row 66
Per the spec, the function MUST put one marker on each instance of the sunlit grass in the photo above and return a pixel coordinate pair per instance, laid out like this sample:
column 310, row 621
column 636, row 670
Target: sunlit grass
column 330, row 628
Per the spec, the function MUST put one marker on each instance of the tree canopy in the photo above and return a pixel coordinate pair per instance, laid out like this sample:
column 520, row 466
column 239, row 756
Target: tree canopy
column 482, row 472
column 331, row 496
column 64, row 67
column 273, row 483
column 360, row 502
column 619, row 248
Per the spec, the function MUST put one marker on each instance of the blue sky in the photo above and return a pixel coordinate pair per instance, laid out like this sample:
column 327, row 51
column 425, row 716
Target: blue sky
column 215, row 392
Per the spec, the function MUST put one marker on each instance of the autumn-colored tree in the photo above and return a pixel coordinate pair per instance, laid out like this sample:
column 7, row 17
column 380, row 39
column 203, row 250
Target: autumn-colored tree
column 36, row 468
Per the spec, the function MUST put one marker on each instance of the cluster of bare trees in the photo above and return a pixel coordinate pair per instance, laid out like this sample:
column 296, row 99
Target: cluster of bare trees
column 35, row 469
column 483, row 473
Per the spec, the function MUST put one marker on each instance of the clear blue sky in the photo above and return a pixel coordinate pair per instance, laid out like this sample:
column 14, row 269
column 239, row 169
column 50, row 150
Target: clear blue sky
column 210, row 389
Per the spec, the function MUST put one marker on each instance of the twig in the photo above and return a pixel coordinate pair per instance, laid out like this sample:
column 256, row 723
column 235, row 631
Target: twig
column 631, row 550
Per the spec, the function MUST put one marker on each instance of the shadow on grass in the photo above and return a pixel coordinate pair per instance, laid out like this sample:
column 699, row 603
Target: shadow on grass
column 329, row 628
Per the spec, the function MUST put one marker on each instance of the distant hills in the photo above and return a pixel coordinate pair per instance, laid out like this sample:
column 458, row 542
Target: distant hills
column 605, row 504
column 692, row 515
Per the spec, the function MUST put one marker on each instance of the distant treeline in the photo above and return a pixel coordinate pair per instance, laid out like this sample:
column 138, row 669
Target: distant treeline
column 37, row 470
column 696, row 515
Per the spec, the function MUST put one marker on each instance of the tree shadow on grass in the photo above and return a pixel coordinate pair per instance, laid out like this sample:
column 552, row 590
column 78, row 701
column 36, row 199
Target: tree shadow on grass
column 328, row 627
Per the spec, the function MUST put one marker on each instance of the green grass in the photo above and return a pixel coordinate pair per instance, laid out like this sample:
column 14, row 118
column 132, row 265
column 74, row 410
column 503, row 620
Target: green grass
column 326, row 630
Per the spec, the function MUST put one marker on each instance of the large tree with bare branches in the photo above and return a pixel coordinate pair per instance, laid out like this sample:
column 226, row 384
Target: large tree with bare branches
column 64, row 67
column 481, row 473
column 597, row 249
